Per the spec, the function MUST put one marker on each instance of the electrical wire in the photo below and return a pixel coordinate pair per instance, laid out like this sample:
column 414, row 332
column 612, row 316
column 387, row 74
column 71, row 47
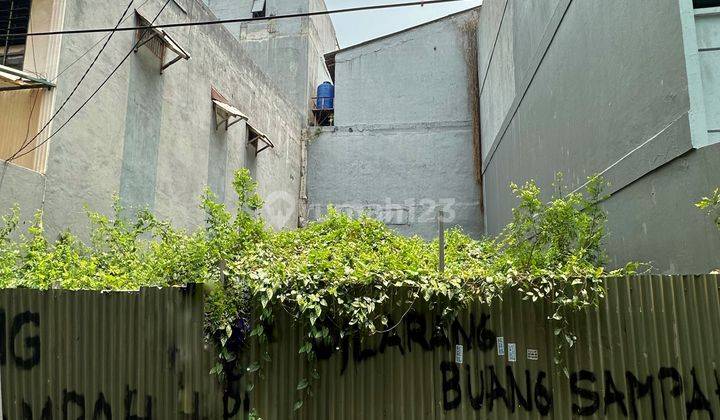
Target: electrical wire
column 87, row 51
column 27, row 142
column 109, row 76
column 36, row 93
column 187, row 24
column 236, row 20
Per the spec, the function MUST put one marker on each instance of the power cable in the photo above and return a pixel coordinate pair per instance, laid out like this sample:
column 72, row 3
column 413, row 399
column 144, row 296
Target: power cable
column 137, row 43
column 236, row 20
column 87, row 51
column 36, row 93
column 75, row 88
column 201, row 23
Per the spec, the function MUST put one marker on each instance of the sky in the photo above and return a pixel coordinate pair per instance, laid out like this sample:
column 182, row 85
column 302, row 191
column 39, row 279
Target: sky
column 353, row 28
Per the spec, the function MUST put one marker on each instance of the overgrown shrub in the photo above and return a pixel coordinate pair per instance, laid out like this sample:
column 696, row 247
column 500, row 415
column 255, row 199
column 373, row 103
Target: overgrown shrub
column 336, row 278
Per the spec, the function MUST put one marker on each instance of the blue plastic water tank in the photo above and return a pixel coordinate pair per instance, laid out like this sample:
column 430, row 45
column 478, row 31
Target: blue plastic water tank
column 326, row 96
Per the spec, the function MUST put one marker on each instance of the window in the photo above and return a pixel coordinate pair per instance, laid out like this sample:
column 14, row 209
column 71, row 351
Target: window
column 701, row 4
column 258, row 8
column 25, row 95
column 159, row 42
column 14, row 19
column 700, row 21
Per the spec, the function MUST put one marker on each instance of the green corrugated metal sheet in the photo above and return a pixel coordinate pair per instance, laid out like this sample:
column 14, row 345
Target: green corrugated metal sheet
column 650, row 351
column 120, row 353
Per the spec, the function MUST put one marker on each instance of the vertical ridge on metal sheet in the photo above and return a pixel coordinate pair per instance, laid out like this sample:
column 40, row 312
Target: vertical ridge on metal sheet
column 130, row 349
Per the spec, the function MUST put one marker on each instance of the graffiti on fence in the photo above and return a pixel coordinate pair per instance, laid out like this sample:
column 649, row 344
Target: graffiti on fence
column 479, row 383
column 21, row 345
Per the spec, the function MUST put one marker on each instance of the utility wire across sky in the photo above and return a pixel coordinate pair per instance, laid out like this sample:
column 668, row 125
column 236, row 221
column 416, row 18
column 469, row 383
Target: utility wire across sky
column 28, row 140
column 18, row 154
column 234, row 20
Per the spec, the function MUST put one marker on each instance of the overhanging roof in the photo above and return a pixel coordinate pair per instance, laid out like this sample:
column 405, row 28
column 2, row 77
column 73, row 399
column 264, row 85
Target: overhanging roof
column 14, row 79
column 229, row 109
column 164, row 37
column 224, row 112
column 255, row 137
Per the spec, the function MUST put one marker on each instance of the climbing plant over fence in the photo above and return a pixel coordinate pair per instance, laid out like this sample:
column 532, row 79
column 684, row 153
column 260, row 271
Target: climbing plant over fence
column 340, row 277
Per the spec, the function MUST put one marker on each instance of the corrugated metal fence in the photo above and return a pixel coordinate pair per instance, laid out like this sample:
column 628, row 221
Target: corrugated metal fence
column 649, row 352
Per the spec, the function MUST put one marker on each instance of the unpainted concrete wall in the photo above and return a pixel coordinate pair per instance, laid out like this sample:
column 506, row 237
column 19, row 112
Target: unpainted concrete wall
column 400, row 174
column 402, row 147
column 584, row 87
column 151, row 137
column 415, row 76
column 23, row 187
column 654, row 219
column 290, row 51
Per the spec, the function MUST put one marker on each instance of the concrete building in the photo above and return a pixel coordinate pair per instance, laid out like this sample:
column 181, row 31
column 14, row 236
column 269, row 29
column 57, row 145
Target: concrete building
column 444, row 115
column 156, row 137
column 405, row 122
column 290, row 51
column 626, row 89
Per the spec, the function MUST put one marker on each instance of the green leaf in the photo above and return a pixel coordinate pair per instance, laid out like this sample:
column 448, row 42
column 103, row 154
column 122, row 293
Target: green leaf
column 302, row 384
column 253, row 367
column 298, row 405
column 218, row 368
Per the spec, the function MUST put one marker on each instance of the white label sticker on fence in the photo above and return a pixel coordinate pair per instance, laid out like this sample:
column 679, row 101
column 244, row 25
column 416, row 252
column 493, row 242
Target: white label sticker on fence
column 512, row 352
column 459, row 354
column 501, row 346
column 532, row 354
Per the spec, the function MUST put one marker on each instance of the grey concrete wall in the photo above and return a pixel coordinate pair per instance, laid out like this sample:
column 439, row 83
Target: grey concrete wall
column 584, row 87
column 403, row 142
column 290, row 51
column 419, row 75
column 654, row 219
column 400, row 174
column 21, row 187
column 151, row 137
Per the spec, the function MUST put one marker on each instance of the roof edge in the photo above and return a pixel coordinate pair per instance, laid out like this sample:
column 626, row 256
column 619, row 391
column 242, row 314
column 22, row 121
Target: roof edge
column 380, row 38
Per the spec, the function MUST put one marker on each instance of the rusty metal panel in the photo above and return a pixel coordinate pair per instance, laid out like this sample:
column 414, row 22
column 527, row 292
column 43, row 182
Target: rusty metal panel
column 649, row 352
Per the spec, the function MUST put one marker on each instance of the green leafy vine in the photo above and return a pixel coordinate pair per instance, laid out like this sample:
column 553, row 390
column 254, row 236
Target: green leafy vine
column 337, row 278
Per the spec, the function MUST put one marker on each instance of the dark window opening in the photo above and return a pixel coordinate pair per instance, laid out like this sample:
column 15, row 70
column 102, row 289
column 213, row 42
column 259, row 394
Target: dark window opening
column 258, row 8
column 701, row 4
column 14, row 19
column 257, row 140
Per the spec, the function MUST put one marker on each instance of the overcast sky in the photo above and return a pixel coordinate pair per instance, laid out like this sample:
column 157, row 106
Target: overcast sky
column 356, row 27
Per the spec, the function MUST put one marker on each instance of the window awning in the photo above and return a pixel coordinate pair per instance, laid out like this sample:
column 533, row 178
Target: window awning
column 156, row 34
column 226, row 113
column 256, row 137
column 13, row 79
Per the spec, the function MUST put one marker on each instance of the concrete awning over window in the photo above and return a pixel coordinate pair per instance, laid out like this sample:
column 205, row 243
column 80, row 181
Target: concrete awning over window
column 13, row 79
column 159, row 42
column 258, row 140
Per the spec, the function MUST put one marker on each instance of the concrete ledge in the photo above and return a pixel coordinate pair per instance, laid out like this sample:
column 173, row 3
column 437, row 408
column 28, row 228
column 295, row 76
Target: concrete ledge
column 359, row 128
column 655, row 152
